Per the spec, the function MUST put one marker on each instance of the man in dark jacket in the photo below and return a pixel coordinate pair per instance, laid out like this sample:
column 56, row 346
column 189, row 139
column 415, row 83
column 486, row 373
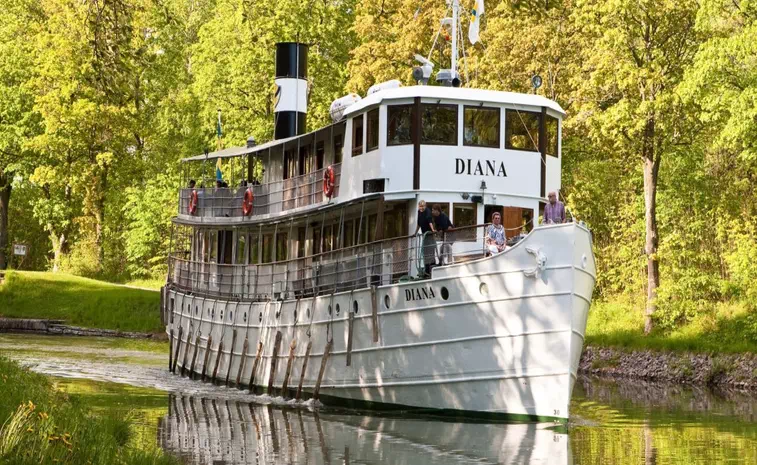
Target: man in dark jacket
column 444, row 226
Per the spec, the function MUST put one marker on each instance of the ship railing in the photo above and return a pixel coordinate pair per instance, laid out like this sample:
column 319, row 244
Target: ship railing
column 373, row 264
column 269, row 198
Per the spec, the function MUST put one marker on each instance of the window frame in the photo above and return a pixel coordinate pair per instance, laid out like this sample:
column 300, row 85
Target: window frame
column 499, row 125
column 369, row 133
column 507, row 139
column 411, row 107
column 461, row 236
column 358, row 150
column 456, row 119
column 557, row 135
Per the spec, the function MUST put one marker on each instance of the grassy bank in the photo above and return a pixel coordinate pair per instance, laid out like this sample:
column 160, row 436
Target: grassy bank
column 44, row 426
column 730, row 327
column 79, row 301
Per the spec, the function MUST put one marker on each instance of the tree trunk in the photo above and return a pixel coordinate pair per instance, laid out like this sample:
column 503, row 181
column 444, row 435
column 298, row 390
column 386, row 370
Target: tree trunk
column 60, row 248
column 5, row 198
column 651, row 169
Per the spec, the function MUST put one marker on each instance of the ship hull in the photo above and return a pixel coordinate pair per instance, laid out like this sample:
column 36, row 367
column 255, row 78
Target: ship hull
column 498, row 337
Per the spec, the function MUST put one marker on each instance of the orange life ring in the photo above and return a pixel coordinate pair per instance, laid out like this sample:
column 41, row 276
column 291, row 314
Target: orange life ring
column 249, row 199
column 328, row 181
column 193, row 202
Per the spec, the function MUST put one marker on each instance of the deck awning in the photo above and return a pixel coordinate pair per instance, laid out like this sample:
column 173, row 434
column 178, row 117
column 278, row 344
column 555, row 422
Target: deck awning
column 239, row 151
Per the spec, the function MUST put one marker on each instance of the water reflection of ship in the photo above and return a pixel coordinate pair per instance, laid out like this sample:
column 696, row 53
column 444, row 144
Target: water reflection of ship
column 211, row 431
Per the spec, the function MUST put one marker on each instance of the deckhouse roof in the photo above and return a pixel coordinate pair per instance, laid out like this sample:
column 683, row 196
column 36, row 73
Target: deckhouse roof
column 454, row 93
column 439, row 92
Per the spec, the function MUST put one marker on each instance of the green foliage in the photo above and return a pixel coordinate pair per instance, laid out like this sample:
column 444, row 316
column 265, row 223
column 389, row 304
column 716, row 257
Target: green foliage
column 79, row 301
column 42, row 425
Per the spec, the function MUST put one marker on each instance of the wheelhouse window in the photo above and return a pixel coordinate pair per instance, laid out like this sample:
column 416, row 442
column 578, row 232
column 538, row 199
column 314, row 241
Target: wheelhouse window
column 552, row 132
column 338, row 142
column 438, row 124
column 399, row 124
column 373, row 130
column 282, row 246
column 481, row 127
column 464, row 214
column 357, row 135
column 522, row 130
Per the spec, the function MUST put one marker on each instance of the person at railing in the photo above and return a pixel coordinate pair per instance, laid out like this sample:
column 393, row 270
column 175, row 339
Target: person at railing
column 495, row 235
column 426, row 224
column 192, row 183
column 554, row 211
column 444, row 226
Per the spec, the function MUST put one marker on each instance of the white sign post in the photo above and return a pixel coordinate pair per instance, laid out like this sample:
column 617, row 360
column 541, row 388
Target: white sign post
column 19, row 249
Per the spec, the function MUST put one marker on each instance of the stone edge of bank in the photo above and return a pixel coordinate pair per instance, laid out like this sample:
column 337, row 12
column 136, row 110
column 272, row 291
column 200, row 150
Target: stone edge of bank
column 56, row 327
column 732, row 370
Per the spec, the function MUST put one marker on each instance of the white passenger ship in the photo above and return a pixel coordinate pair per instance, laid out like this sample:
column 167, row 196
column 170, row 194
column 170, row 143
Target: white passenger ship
column 309, row 281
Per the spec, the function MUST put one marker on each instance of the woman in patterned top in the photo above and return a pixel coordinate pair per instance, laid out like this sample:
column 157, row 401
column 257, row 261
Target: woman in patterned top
column 495, row 235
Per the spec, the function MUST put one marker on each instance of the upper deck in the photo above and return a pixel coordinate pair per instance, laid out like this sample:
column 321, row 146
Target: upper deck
column 453, row 142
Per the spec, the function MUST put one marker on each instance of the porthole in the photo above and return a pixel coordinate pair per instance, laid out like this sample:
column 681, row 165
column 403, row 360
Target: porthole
column 260, row 317
column 354, row 307
column 329, row 309
column 278, row 313
column 387, row 301
column 213, row 313
column 244, row 317
column 295, row 315
column 221, row 314
column 307, row 313
column 483, row 289
column 208, row 311
column 337, row 309
column 231, row 314
column 196, row 310
column 445, row 293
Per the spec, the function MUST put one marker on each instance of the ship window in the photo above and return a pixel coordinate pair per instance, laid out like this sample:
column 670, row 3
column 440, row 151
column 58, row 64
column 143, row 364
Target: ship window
column 373, row 130
column 267, row 245
column 241, row 249
column 439, row 124
column 399, row 123
column 282, row 243
column 551, row 125
column 338, row 144
column 481, row 127
column 357, row 135
column 254, row 249
column 464, row 214
column 522, row 130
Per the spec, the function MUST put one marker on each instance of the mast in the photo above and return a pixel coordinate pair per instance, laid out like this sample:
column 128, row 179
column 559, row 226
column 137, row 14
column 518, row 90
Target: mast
column 455, row 12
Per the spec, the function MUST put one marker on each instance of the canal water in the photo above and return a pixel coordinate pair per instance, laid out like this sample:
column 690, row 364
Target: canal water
column 611, row 422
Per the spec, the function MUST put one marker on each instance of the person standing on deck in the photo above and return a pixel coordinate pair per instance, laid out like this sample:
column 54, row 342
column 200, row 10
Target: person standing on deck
column 554, row 211
column 426, row 224
column 443, row 225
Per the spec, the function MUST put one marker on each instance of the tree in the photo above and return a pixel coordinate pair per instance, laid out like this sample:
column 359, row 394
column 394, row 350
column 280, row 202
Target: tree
column 19, row 21
column 631, row 68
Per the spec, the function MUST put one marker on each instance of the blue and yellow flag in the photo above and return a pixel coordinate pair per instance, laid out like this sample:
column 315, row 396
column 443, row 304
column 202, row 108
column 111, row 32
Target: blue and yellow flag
column 475, row 21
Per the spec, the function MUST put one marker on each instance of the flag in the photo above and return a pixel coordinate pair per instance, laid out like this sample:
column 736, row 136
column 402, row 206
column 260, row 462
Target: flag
column 219, row 134
column 475, row 20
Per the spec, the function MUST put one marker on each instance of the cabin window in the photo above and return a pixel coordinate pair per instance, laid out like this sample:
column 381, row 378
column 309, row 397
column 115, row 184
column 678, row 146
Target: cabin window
column 522, row 130
column 290, row 164
column 320, row 151
column 481, row 127
column 373, row 130
column 349, row 234
column 213, row 247
column 241, row 248
column 439, row 124
column 338, row 145
column 399, row 124
column 254, row 249
column 464, row 214
column 300, row 242
column 552, row 133
column 357, row 135
column 267, row 248
column 282, row 242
